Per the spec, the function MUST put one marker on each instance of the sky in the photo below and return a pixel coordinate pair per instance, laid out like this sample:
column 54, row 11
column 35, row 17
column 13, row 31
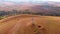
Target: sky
column 34, row 1
column 27, row 0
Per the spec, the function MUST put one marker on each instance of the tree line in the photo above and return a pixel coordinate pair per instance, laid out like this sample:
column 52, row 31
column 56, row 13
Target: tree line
column 15, row 12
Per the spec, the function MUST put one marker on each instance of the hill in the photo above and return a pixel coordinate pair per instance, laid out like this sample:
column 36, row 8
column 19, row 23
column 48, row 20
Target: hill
column 24, row 24
column 44, row 8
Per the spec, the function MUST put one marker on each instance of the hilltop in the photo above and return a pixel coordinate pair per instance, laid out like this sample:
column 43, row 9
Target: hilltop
column 23, row 24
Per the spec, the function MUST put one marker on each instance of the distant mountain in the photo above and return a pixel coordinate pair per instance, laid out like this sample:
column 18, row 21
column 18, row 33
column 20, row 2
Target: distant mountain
column 46, row 8
column 8, row 6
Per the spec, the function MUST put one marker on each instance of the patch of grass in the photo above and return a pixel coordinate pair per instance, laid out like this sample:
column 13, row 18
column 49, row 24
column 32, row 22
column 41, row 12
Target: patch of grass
column 1, row 17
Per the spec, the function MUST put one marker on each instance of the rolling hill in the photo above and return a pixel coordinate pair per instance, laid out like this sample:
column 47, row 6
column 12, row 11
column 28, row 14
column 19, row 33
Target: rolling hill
column 30, row 18
column 45, row 8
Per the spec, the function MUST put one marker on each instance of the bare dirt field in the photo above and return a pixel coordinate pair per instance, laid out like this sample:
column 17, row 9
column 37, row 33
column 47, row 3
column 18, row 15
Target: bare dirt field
column 24, row 24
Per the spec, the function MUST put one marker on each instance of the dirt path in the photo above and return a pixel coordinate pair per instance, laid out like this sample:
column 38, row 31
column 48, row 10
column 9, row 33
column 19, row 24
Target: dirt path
column 22, row 24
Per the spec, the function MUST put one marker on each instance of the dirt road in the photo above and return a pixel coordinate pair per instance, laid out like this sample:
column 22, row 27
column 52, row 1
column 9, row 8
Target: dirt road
column 22, row 24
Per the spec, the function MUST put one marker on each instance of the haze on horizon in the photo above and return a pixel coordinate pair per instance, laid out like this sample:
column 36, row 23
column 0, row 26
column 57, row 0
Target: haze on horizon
column 17, row 1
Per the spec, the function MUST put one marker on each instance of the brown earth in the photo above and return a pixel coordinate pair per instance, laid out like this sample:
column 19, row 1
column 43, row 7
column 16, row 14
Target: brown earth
column 24, row 24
